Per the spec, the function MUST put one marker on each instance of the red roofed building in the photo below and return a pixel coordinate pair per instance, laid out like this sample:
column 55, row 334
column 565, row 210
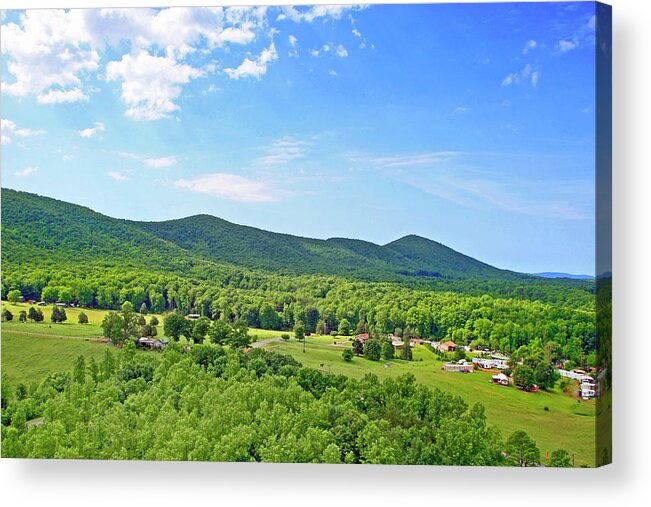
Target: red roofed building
column 448, row 346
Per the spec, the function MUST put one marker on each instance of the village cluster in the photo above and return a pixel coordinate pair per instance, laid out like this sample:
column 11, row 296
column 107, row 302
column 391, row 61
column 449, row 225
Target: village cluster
column 487, row 360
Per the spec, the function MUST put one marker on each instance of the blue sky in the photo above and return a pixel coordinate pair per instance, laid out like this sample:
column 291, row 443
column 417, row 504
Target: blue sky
column 472, row 125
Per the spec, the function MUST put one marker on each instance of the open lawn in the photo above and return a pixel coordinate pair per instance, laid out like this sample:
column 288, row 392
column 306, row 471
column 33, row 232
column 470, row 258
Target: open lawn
column 566, row 424
column 30, row 358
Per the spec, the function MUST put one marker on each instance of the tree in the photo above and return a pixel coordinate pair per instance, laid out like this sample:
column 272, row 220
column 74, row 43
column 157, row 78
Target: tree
column 299, row 331
column 13, row 296
column 153, row 321
column 79, row 370
column 405, row 351
column 560, row 458
column 459, row 353
column 220, row 332
column 372, row 349
column 50, row 294
column 83, row 318
column 112, row 327
column 175, row 326
column 143, row 309
column 200, row 329
column 358, row 347
column 239, row 337
column 65, row 295
column 545, row 375
column 523, row 376
column 387, row 350
column 58, row 314
column 347, row 355
column 522, row 450
column 344, row 327
column 32, row 314
column 7, row 315
column 22, row 316
column 140, row 319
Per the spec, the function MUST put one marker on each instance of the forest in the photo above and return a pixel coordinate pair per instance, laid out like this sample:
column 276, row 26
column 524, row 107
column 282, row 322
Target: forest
column 220, row 404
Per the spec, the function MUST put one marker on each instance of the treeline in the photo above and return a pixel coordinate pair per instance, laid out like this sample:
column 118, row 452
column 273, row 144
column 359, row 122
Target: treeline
column 217, row 404
column 322, row 304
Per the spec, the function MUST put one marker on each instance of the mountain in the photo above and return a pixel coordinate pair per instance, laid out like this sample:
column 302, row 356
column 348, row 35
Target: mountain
column 553, row 274
column 35, row 227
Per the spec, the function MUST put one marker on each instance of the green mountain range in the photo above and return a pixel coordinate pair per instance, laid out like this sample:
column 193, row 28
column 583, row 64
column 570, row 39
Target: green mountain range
column 45, row 229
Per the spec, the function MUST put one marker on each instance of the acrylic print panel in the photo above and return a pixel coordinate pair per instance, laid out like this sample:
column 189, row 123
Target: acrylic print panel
column 341, row 234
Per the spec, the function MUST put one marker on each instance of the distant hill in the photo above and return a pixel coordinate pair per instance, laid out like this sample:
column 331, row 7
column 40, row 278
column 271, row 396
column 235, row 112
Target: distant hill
column 552, row 274
column 44, row 228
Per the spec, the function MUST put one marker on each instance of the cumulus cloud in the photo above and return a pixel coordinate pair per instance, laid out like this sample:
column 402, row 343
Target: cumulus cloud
column 237, row 35
column 26, row 172
column 11, row 131
column 118, row 176
column 255, row 68
column 333, row 73
column 157, row 163
column 531, row 44
column 567, row 45
column 341, row 51
column 150, row 84
column 230, row 186
column 93, row 131
column 292, row 41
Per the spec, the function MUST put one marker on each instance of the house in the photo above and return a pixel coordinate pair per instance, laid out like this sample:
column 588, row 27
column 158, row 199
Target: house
column 460, row 367
column 159, row 344
column 500, row 379
column 193, row 316
column 145, row 342
column 588, row 388
column 41, row 303
column 361, row 337
column 448, row 346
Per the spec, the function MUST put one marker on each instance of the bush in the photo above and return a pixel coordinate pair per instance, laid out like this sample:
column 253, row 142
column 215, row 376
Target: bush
column 83, row 318
column 372, row 350
column 284, row 336
column 334, row 332
column 347, row 355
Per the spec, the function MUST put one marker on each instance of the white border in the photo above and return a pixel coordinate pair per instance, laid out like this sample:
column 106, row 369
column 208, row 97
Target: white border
column 626, row 482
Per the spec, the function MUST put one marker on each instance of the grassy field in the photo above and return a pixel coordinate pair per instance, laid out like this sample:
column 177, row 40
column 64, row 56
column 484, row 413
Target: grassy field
column 30, row 358
column 30, row 351
column 566, row 424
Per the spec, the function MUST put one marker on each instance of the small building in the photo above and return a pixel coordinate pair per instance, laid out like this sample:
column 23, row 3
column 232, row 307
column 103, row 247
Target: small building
column 458, row 367
column 500, row 379
column 448, row 346
column 31, row 301
column 159, row 344
column 41, row 303
column 193, row 316
column 361, row 337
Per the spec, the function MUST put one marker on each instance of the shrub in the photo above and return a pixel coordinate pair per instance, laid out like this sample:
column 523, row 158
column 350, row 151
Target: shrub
column 347, row 355
column 284, row 336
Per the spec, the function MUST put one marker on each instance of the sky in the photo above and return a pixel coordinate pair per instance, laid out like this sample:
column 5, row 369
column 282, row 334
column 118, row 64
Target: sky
column 469, row 124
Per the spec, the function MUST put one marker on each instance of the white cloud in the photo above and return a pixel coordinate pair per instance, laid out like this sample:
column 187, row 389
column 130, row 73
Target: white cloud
column 26, row 172
column 356, row 33
column 61, row 96
column 314, row 52
column 160, row 162
column 326, row 48
column 93, row 131
column 292, row 41
column 116, row 175
column 341, row 51
column 325, row 12
column 47, row 55
column 282, row 151
column 150, row 84
column 531, row 44
column 567, row 45
column 409, row 160
column 10, row 131
column 333, row 73
column 237, row 35
column 254, row 68
column 230, row 186
column 528, row 74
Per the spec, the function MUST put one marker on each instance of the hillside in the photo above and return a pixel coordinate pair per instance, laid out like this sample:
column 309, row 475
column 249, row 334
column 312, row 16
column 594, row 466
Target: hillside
column 44, row 228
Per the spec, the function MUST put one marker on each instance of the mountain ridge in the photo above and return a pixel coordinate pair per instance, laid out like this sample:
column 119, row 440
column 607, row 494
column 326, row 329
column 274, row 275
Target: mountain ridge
column 77, row 231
